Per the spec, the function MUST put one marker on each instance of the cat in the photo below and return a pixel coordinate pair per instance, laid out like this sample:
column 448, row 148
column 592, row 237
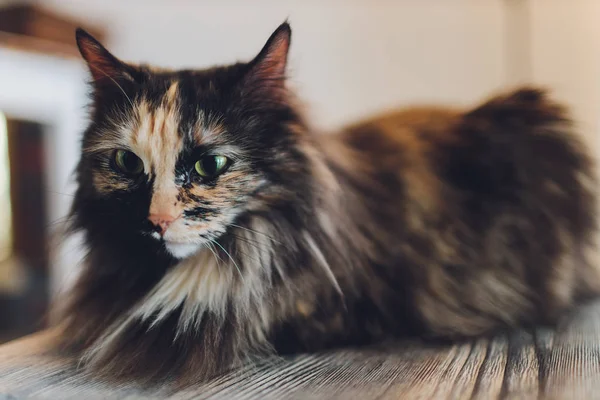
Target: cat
column 220, row 228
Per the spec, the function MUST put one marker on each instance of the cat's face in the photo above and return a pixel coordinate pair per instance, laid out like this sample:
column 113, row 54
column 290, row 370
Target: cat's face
column 180, row 156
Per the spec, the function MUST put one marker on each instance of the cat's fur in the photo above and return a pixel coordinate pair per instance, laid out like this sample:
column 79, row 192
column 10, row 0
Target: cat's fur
column 429, row 222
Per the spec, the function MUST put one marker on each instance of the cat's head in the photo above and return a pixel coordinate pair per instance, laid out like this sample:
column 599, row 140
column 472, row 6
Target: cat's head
column 178, row 157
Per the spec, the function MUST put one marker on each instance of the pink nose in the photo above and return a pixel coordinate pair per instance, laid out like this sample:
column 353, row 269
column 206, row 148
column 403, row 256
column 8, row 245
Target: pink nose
column 162, row 221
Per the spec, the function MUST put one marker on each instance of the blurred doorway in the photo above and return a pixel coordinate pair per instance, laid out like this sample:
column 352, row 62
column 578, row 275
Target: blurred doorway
column 24, row 260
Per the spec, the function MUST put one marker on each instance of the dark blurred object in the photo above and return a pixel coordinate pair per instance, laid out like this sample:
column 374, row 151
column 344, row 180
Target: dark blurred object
column 24, row 257
column 23, row 308
column 32, row 28
column 27, row 188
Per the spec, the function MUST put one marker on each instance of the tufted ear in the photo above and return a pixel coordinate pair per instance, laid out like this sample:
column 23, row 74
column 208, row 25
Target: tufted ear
column 267, row 71
column 103, row 66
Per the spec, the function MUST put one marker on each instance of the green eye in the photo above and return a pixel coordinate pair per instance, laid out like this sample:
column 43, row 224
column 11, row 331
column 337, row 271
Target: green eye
column 128, row 162
column 211, row 166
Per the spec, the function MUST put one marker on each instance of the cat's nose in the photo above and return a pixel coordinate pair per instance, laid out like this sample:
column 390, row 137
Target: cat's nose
column 162, row 221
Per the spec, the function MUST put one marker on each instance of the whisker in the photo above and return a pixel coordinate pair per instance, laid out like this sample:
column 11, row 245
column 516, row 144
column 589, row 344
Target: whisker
column 256, row 243
column 257, row 232
column 58, row 220
column 244, row 254
column 231, row 258
column 248, row 240
column 115, row 82
column 215, row 254
column 62, row 220
column 64, row 194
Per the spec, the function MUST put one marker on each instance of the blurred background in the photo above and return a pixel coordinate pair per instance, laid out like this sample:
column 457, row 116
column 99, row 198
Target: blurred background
column 349, row 58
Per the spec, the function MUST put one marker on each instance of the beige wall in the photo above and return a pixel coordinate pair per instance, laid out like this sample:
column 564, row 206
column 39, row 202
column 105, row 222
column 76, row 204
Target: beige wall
column 353, row 57
column 565, row 37
column 349, row 58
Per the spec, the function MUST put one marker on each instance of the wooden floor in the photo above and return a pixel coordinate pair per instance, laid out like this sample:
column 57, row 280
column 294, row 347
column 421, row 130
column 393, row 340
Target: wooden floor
column 561, row 364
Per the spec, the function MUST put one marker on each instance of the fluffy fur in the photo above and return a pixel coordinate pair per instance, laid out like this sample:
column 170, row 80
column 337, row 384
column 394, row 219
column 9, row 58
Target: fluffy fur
column 424, row 222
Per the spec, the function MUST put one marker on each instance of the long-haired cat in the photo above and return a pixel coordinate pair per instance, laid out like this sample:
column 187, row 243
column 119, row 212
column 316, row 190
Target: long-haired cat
column 221, row 228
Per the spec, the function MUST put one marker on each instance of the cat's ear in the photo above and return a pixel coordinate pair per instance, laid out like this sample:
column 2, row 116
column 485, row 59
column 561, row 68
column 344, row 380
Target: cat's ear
column 103, row 66
column 267, row 71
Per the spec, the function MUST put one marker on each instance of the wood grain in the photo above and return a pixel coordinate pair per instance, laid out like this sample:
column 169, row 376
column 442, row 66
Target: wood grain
column 548, row 364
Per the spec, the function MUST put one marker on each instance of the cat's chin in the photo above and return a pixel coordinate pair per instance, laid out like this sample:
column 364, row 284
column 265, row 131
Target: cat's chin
column 182, row 250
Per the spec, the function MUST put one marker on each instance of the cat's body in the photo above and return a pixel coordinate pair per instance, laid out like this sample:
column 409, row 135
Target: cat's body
column 427, row 222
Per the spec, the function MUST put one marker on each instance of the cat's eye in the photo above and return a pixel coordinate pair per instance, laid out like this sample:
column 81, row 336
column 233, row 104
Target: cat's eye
column 211, row 166
column 128, row 163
